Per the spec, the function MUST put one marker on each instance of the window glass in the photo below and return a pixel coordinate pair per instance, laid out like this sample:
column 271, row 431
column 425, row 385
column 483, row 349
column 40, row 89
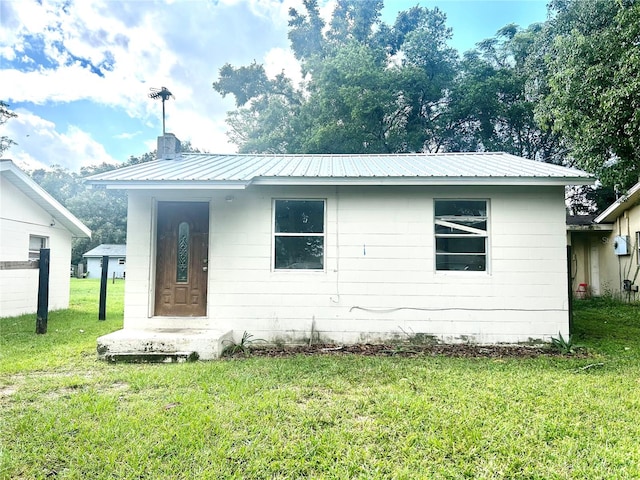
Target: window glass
column 299, row 234
column 36, row 242
column 461, row 208
column 299, row 216
column 461, row 235
column 182, row 261
column 299, row 252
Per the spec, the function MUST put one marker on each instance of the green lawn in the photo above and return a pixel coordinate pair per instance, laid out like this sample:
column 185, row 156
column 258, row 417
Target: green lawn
column 65, row 415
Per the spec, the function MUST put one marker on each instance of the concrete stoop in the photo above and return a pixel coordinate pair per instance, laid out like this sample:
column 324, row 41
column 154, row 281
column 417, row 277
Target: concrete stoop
column 162, row 345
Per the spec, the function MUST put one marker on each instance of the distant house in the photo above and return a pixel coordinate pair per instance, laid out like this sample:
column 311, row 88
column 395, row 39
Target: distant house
column 117, row 260
column 605, row 257
column 31, row 219
column 458, row 247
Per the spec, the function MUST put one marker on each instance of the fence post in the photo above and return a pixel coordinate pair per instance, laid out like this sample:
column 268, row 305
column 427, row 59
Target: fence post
column 570, row 289
column 43, row 291
column 102, row 315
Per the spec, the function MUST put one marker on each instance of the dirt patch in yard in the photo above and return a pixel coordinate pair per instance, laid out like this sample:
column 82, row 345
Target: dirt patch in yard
column 435, row 350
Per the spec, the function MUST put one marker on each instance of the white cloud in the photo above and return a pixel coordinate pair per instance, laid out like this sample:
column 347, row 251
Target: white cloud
column 127, row 135
column 40, row 145
column 112, row 53
column 278, row 60
column 203, row 132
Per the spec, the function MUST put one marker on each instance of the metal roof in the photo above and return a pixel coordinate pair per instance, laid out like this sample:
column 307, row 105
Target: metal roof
column 43, row 199
column 196, row 170
column 625, row 202
column 108, row 249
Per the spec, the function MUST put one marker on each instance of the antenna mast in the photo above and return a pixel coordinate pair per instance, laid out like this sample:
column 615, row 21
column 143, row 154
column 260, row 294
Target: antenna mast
column 164, row 94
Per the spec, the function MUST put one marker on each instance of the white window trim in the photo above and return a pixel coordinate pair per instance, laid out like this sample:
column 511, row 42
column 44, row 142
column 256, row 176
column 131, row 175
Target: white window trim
column 34, row 254
column 274, row 234
column 477, row 232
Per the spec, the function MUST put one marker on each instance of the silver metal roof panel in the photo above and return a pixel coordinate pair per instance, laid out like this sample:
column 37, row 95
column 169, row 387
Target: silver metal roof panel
column 423, row 168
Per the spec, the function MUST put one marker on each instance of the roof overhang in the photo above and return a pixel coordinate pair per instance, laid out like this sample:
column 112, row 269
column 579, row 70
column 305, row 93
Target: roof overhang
column 44, row 200
column 625, row 202
column 424, row 181
column 166, row 185
column 336, row 181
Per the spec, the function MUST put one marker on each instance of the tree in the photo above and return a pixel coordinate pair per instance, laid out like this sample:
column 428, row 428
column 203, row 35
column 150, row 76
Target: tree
column 493, row 103
column 5, row 114
column 103, row 211
column 592, row 57
column 370, row 87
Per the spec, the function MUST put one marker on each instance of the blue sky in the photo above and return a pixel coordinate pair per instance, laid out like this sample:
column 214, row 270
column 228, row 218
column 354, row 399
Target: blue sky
column 78, row 73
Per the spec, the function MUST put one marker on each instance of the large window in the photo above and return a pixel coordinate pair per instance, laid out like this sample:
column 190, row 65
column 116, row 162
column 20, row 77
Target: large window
column 299, row 234
column 461, row 235
column 35, row 244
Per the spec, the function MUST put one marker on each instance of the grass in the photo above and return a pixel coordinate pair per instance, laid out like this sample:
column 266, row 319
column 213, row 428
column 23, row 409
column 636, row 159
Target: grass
column 65, row 415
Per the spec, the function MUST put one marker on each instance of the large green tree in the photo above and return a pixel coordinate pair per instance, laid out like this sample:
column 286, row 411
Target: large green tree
column 370, row 87
column 493, row 103
column 592, row 58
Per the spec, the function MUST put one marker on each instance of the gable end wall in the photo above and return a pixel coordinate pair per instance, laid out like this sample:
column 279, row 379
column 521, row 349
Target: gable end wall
column 20, row 217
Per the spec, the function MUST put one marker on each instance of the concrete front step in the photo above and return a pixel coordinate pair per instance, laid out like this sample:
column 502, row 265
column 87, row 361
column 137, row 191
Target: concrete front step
column 152, row 357
column 162, row 345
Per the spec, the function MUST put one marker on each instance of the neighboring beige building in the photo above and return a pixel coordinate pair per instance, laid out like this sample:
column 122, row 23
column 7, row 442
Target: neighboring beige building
column 460, row 247
column 605, row 251
column 31, row 219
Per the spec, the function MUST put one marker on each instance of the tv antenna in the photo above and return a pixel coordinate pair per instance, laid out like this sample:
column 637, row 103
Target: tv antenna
column 164, row 94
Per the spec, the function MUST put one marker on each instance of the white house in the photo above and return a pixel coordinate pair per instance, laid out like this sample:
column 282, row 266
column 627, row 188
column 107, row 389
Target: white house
column 606, row 251
column 459, row 247
column 31, row 219
column 117, row 260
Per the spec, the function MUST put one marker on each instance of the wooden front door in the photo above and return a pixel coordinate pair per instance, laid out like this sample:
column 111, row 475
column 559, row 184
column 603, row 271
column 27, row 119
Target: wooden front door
column 182, row 259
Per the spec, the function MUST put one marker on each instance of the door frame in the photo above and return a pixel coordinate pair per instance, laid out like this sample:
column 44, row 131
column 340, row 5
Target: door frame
column 153, row 252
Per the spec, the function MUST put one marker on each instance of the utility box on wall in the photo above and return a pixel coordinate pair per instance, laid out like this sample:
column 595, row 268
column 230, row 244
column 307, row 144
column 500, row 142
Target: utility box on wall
column 621, row 245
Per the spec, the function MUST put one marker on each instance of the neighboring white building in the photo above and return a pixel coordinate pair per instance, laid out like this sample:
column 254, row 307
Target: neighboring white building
column 117, row 260
column 460, row 247
column 31, row 219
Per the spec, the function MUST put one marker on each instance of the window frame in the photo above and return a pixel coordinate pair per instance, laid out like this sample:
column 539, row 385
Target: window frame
column 473, row 233
column 275, row 234
column 34, row 254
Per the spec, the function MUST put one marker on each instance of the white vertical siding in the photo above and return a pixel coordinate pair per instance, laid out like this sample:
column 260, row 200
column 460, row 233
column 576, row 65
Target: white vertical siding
column 379, row 280
column 21, row 217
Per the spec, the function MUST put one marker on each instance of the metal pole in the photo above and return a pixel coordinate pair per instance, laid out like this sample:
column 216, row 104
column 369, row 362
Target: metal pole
column 570, row 289
column 43, row 291
column 102, row 315
column 163, row 129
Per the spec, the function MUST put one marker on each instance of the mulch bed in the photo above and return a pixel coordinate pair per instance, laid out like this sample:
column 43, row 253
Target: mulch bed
column 445, row 350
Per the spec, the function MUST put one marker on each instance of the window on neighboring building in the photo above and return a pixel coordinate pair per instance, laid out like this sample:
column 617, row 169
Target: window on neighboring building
column 121, row 261
column 461, row 235
column 35, row 244
column 299, row 234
